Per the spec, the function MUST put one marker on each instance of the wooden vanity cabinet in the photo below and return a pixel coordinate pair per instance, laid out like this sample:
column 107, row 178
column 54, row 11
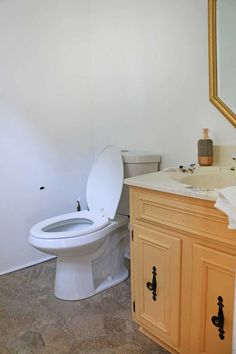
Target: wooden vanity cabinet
column 183, row 262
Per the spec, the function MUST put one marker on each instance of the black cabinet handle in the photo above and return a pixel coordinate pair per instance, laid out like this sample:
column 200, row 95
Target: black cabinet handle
column 152, row 286
column 218, row 321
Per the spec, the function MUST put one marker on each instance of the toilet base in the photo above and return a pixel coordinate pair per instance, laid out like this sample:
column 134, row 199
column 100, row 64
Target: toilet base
column 79, row 277
column 72, row 288
column 77, row 283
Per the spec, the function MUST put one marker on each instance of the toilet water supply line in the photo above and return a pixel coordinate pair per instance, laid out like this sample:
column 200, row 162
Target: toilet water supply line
column 78, row 206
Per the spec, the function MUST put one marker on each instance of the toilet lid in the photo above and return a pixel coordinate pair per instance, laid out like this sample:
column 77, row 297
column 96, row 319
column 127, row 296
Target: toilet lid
column 105, row 182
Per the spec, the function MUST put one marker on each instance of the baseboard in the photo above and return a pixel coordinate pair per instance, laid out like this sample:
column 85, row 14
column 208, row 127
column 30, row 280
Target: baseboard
column 26, row 265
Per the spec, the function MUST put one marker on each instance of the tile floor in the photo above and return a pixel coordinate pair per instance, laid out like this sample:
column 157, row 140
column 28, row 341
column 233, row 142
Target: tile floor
column 33, row 321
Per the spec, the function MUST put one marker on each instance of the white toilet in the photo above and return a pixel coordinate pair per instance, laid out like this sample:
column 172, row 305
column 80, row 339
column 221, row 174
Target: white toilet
column 90, row 244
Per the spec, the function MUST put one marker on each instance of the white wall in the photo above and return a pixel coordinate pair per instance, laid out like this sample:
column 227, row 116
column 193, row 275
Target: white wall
column 46, row 134
column 150, row 77
column 77, row 75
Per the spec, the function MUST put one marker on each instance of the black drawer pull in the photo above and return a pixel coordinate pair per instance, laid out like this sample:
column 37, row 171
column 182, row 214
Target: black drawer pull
column 218, row 321
column 152, row 286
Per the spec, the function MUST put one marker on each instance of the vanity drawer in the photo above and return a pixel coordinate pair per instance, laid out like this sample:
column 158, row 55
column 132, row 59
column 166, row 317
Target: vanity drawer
column 189, row 215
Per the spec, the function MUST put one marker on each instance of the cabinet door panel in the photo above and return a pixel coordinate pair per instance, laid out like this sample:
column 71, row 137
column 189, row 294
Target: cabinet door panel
column 213, row 276
column 162, row 251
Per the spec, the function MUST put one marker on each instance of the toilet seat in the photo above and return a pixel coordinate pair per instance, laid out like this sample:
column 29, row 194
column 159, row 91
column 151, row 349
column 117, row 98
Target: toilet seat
column 69, row 225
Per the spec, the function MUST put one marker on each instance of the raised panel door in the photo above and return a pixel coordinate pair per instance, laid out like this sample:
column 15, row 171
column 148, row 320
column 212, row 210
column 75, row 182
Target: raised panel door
column 213, row 277
column 157, row 252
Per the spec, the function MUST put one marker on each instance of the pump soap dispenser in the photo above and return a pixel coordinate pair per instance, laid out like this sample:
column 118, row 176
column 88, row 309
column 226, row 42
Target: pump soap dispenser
column 205, row 149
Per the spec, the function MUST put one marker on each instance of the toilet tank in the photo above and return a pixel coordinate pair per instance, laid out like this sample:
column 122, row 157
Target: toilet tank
column 135, row 163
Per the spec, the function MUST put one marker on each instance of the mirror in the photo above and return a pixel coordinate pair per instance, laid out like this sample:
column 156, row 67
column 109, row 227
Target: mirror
column 222, row 56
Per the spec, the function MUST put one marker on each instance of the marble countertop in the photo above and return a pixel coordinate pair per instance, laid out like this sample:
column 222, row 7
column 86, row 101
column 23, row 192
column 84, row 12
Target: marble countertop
column 168, row 181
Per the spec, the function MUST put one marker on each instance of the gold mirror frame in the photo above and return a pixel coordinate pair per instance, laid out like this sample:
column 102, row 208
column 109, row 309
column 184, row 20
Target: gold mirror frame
column 212, row 31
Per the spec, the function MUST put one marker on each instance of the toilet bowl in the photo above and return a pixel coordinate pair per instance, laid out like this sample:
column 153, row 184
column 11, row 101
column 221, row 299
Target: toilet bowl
column 89, row 244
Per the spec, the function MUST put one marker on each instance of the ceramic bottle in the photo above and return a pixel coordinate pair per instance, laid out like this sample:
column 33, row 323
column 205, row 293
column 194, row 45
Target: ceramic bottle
column 205, row 149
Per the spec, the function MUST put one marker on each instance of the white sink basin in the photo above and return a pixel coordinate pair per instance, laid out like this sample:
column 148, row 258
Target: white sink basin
column 210, row 180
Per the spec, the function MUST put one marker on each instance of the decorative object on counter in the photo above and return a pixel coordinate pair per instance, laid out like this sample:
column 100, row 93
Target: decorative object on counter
column 234, row 160
column 205, row 149
column 190, row 168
